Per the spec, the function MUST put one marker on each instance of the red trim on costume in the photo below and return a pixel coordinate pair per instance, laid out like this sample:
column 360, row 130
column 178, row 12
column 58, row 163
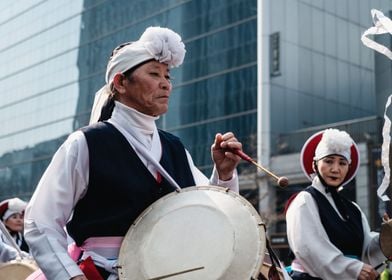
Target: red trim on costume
column 288, row 202
column 159, row 178
column 3, row 208
column 89, row 270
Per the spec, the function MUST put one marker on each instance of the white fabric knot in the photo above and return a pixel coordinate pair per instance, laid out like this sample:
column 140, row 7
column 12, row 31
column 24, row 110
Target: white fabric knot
column 334, row 141
column 164, row 45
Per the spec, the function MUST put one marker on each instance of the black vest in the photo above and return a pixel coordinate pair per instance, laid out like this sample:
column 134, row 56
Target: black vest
column 347, row 236
column 120, row 186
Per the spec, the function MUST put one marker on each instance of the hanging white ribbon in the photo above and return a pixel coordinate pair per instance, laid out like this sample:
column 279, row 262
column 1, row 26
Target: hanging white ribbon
column 386, row 135
column 382, row 25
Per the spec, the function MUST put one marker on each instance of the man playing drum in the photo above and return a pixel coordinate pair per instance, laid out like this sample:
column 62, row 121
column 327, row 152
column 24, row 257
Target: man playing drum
column 106, row 174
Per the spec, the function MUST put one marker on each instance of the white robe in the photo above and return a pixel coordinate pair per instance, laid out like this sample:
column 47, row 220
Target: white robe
column 312, row 247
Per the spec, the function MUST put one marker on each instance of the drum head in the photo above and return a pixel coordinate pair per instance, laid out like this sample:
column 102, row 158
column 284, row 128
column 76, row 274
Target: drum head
column 17, row 270
column 197, row 233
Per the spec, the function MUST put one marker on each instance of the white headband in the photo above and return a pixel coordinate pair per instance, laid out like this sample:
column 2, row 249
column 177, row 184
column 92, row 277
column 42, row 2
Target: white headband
column 334, row 142
column 161, row 44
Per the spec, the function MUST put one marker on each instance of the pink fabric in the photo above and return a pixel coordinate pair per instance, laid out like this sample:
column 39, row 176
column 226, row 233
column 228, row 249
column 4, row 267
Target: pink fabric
column 296, row 265
column 102, row 242
column 74, row 251
column 36, row 275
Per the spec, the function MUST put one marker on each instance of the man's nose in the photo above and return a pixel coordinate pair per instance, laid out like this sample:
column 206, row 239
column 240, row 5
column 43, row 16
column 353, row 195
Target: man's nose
column 165, row 84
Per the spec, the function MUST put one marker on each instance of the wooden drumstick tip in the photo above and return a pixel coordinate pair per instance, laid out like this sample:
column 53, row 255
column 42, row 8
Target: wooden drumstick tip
column 283, row 182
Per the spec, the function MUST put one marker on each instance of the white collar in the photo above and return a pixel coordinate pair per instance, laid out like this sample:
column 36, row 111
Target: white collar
column 319, row 186
column 128, row 118
column 141, row 126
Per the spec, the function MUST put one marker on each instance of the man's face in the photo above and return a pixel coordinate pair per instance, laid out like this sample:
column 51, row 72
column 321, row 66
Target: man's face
column 148, row 89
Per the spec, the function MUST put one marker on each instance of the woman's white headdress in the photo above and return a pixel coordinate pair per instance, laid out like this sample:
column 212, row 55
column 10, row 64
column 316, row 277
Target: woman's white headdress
column 334, row 142
column 11, row 206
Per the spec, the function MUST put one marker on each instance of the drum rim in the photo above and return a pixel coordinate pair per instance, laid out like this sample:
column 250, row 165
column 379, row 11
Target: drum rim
column 188, row 189
column 28, row 267
column 255, row 215
column 22, row 262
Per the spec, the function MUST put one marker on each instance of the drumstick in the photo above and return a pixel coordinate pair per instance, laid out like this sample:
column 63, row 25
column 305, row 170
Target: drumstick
column 176, row 273
column 282, row 181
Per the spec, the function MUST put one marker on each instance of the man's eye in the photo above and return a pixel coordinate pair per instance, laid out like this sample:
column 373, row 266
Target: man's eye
column 154, row 74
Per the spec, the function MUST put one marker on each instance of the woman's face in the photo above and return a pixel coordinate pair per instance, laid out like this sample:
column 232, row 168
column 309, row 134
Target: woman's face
column 15, row 222
column 148, row 89
column 333, row 169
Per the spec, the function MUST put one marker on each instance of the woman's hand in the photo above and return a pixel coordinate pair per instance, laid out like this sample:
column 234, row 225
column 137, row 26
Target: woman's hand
column 367, row 273
column 225, row 161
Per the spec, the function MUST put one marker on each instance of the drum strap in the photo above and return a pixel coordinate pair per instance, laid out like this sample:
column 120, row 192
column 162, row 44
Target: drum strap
column 274, row 259
column 273, row 273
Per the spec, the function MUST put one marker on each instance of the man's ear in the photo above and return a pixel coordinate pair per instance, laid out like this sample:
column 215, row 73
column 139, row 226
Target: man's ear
column 118, row 83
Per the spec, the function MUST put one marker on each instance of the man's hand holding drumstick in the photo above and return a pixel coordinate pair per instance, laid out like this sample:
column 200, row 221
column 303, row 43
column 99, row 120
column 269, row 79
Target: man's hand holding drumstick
column 227, row 152
column 222, row 152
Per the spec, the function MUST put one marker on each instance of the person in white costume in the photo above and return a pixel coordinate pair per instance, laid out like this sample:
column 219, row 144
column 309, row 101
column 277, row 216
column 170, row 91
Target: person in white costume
column 12, row 215
column 106, row 174
column 329, row 234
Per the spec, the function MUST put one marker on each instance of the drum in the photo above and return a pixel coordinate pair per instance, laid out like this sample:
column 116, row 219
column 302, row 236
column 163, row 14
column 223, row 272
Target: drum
column 17, row 269
column 197, row 233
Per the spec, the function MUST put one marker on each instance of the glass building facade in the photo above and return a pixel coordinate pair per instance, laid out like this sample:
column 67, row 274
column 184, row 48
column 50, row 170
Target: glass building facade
column 55, row 57
column 39, row 87
column 326, row 74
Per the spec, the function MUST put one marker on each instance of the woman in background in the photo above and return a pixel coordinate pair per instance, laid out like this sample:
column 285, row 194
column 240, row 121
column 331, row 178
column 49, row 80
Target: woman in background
column 328, row 234
column 12, row 215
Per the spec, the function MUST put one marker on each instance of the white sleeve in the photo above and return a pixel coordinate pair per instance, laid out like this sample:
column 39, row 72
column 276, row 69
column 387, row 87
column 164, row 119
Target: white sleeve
column 311, row 245
column 61, row 186
column 202, row 180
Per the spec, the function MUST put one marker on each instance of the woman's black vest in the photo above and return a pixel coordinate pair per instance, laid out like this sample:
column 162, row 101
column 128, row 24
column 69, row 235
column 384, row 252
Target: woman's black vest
column 347, row 236
column 120, row 186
